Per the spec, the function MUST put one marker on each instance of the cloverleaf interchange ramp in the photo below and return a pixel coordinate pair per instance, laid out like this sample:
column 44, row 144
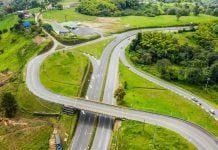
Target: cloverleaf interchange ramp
column 200, row 138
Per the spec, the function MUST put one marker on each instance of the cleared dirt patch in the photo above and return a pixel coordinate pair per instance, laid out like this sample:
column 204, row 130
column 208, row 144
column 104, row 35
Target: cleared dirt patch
column 105, row 24
column 38, row 39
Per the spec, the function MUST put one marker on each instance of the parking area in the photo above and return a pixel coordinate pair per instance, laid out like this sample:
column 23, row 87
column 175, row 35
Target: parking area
column 84, row 31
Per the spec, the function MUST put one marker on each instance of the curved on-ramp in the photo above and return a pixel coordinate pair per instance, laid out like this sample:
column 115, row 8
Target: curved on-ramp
column 199, row 137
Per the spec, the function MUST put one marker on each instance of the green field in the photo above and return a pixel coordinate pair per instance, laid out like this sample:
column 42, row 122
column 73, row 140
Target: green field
column 64, row 72
column 145, row 95
column 8, row 21
column 164, row 20
column 17, row 50
column 134, row 135
column 96, row 48
column 71, row 15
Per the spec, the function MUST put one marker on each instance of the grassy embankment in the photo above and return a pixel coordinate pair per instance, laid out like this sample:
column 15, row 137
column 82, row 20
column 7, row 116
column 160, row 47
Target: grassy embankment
column 134, row 135
column 145, row 95
column 17, row 51
column 95, row 49
column 63, row 72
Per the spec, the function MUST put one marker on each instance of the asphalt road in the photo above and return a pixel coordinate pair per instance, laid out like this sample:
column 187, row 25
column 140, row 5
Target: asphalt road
column 205, row 141
column 198, row 137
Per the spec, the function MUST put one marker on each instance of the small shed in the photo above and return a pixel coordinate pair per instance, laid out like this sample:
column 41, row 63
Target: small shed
column 26, row 24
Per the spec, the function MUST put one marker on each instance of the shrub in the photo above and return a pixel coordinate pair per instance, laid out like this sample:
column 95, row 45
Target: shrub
column 5, row 30
column 172, row 11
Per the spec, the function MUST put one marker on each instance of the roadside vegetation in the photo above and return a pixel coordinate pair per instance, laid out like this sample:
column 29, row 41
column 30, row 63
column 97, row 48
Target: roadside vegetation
column 188, row 59
column 17, row 46
column 95, row 49
column 134, row 135
column 145, row 8
column 64, row 72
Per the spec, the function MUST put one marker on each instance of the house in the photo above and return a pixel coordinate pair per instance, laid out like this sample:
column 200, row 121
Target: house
column 59, row 29
column 71, row 24
column 25, row 13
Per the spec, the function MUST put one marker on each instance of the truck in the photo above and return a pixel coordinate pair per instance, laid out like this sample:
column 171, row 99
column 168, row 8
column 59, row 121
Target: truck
column 58, row 142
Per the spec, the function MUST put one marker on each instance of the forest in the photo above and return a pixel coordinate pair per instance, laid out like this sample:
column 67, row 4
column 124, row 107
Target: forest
column 146, row 8
column 196, row 64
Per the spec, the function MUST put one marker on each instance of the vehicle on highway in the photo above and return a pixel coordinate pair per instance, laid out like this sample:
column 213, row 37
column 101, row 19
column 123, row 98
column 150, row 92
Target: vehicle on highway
column 212, row 111
column 194, row 99
column 58, row 142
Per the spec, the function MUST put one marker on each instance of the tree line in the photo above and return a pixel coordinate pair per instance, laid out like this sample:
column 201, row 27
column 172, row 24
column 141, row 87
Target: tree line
column 180, row 62
column 142, row 8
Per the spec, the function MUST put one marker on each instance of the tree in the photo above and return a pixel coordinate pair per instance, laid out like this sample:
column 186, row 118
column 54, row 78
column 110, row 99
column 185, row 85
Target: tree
column 215, row 29
column 215, row 12
column 172, row 11
column 196, row 10
column 162, row 66
column 47, row 27
column 214, row 72
column 178, row 14
column 195, row 76
column 119, row 94
column 59, row 7
column 9, row 105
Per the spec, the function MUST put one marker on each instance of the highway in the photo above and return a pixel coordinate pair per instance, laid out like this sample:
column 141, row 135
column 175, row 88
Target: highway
column 200, row 138
column 34, row 85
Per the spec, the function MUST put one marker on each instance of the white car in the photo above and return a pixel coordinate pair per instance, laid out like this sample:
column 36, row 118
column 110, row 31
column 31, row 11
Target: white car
column 212, row 111
column 194, row 99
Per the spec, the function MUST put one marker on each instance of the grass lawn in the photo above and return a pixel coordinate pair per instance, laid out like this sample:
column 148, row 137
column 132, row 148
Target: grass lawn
column 145, row 95
column 8, row 21
column 164, row 20
column 134, row 135
column 70, row 13
column 63, row 72
column 95, row 49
